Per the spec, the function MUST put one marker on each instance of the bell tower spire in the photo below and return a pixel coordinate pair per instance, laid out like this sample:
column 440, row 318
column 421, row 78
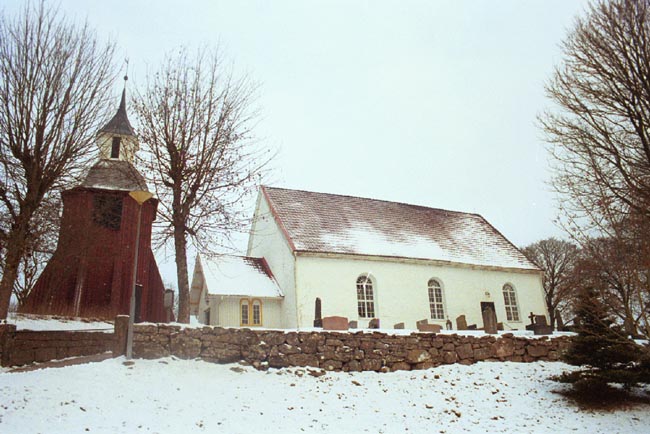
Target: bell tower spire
column 117, row 140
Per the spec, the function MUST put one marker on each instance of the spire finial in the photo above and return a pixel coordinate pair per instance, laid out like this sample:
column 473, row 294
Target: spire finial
column 120, row 123
column 126, row 77
column 126, row 71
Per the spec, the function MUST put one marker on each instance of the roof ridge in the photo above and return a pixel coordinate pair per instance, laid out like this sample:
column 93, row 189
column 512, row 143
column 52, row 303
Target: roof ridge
column 372, row 199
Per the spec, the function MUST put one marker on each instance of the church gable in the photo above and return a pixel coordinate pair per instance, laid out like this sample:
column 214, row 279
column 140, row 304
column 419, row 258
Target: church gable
column 328, row 223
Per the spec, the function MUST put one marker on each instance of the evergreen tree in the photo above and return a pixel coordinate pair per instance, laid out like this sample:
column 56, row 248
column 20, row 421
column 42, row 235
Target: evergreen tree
column 601, row 347
column 600, row 343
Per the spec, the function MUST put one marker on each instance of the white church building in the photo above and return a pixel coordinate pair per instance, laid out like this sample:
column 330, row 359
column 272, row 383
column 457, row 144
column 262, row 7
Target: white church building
column 365, row 259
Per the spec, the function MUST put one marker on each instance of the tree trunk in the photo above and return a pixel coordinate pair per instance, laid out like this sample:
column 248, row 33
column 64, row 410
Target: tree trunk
column 551, row 319
column 551, row 312
column 629, row 324
column 15, row 251
column 180, row 247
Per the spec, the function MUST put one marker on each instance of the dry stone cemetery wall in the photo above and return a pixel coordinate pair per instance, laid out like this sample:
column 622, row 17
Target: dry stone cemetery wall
column 336, row 351
column 25, row 346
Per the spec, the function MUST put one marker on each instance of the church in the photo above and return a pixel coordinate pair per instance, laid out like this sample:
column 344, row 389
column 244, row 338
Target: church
column 365, row 259
column 92, row 272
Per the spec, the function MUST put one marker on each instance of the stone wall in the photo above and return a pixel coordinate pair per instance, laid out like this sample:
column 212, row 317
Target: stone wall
column 334, row 351
column 25, row 346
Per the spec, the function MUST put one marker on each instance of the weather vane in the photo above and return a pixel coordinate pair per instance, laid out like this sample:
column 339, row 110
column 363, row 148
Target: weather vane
column 126, row 70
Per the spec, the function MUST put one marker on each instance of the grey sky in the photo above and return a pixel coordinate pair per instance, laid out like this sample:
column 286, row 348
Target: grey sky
column 425, row 102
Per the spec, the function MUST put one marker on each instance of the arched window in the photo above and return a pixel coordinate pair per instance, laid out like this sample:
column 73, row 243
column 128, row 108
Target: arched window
column 365, row 297
column 436, row 305
column 256, row 313
column 250, row 312
column 510, row 301
column 245, row 313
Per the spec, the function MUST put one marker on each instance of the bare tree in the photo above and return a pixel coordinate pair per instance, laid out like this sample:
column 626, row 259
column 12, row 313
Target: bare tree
column 39, row 246
column 616, row 269
column 54, row 80
column 557, row 259
column 195, row 123
column 599, row 137
column 599, row 130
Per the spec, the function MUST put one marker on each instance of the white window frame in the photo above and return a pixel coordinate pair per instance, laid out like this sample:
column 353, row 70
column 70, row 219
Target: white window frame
column 510, row 303
column 256, row 303
column 244, row 318
column 366, row 296
column 436, row 300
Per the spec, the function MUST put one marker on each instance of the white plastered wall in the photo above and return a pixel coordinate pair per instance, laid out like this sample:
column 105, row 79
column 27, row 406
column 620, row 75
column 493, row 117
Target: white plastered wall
column 401, row 292
column 224, row 311
column 267, row 240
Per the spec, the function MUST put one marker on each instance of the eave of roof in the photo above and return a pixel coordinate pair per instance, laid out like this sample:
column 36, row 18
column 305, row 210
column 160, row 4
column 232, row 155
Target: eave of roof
column 277, row 218
column 410, row 260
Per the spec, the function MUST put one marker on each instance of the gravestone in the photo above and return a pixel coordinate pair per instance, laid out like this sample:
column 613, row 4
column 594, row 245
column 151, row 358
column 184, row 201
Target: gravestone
column 374, row 323
column 448, row 324
column 461, row 323
column 434, row 328
column 541, row 326
column 500, row 326
column 532, row 321
column 471, row 327
column 318, row 320
column 531, row 326
column 353, row 324
column 489, row 319
column 424, row 326
column 335, row 323
column 399, row 326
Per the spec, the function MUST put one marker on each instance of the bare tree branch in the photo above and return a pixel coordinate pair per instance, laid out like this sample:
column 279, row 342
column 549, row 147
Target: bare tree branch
column 195, row 121
column 54, row 81
column 557, row 259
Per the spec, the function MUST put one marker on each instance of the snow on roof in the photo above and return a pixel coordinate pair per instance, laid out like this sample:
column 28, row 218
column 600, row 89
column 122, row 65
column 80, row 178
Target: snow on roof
column 114, row 175
column 239, row 275
column 329, row 223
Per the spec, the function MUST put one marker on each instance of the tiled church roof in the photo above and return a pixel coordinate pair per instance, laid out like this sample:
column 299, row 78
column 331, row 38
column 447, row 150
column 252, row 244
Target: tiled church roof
column 329, row 223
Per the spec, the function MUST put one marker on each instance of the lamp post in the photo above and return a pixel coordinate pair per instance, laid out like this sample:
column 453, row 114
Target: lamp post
column 140, row 197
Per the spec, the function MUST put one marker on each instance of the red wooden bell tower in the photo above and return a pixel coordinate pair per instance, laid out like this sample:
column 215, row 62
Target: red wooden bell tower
column 91, row 271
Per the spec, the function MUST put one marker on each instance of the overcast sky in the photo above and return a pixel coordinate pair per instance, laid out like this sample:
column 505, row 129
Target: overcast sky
column 424, row 102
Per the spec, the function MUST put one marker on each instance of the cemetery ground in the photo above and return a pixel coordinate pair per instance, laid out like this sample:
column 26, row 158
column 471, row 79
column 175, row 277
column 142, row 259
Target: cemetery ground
column 191, row 396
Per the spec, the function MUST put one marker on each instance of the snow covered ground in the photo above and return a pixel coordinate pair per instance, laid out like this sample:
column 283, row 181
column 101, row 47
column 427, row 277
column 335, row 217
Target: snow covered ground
column 178, row 396
column 46, row 322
